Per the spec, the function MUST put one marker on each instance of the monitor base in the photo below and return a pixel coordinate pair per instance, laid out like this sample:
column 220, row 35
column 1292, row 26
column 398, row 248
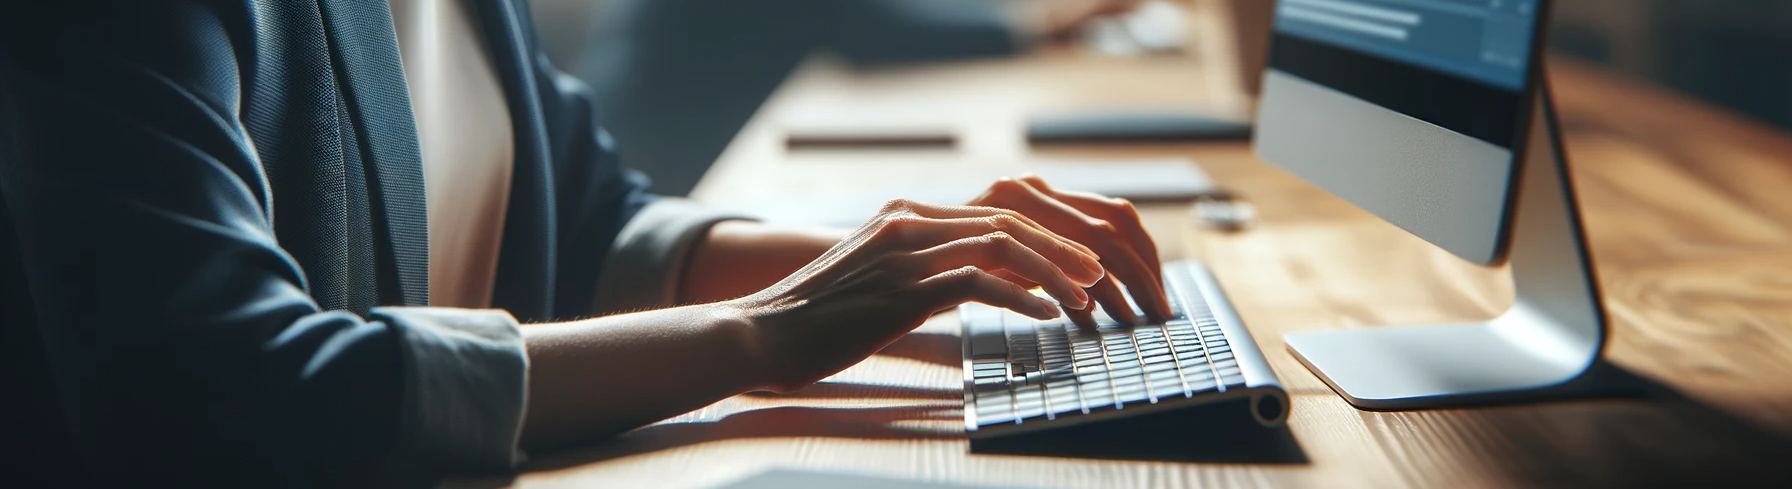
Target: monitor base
column 1542, row 348
column 1429, row 367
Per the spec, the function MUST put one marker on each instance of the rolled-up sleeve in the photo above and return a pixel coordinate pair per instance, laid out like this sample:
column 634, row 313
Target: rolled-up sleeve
column 620, row 247
column 647, row 260
column 465, row 383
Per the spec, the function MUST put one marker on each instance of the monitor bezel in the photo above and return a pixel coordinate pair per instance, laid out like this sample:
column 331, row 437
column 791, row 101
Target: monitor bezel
column 1496, row 115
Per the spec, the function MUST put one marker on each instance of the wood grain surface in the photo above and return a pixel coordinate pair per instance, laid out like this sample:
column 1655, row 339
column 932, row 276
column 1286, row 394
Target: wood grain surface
column 1688, row 209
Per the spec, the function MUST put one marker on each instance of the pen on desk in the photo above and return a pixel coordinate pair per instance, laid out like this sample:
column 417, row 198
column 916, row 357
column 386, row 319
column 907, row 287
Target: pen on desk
column 869, row 140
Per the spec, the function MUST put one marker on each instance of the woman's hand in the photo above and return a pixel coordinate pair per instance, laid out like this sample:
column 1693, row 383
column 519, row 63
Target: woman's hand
column 1110, row 227
column 887, row 277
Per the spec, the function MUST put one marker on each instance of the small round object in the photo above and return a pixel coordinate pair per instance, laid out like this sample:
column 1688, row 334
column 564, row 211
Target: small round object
column 1224, row 212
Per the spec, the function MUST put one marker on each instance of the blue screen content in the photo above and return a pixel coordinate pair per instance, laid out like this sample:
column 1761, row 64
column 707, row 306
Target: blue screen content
column 1483, row 40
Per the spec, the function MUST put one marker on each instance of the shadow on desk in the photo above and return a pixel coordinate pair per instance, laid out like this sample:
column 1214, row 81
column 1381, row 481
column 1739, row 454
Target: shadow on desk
column 934, row 348
column 846, row 390
column 1214, row 433
column 1633, row 433
column 866, row 423
column 1626, row 430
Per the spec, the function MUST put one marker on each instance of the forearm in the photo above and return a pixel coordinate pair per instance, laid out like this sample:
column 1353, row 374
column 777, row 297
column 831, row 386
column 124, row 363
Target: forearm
column 603, row 376
column 737, row 258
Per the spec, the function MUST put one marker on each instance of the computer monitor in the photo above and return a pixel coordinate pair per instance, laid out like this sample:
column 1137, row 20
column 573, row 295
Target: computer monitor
column 1433, row 115
column 1414, row 110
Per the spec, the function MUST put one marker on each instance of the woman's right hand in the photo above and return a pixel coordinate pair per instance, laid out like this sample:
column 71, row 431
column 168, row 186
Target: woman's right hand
column 887, row 277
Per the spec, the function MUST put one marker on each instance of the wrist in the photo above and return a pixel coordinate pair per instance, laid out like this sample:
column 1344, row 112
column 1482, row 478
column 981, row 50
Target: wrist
column 750, row 360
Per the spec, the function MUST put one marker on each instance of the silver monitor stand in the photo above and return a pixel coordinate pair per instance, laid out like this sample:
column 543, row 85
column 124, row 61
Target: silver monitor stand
column 1541, row 348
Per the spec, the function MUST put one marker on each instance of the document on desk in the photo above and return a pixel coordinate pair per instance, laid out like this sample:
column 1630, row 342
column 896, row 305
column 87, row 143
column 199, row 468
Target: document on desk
column 796, row 479
column 1139, row 180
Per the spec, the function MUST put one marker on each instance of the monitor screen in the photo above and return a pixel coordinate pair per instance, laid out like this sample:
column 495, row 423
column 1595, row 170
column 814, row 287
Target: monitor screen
column 1415, row 110
column 1487, row 41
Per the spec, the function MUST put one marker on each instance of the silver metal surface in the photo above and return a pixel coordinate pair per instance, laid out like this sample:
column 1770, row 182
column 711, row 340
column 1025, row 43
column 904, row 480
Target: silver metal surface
column 1253, row 366
column 1206, row 309
column 1551, row 336
column 1445, row 187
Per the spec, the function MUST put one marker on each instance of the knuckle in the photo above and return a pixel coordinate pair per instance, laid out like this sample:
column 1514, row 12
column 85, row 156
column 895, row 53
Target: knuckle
column 1019, row 219
column 898, row 205
column 1125, row 206
column 1005, row 221
column 1008, row 185
column 1104, row 226
column 999, row 244
column 966, row 277
column 898, row 226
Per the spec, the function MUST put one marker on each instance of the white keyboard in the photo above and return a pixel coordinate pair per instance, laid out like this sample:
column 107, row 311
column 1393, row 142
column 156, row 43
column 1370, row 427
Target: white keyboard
column 1023, row 374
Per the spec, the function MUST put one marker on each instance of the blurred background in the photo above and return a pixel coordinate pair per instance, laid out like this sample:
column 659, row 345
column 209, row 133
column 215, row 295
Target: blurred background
column 1735, row 53
column 679, row 78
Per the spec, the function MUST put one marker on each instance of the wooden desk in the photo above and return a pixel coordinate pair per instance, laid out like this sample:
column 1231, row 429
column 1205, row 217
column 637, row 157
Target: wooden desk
column 1688, row 208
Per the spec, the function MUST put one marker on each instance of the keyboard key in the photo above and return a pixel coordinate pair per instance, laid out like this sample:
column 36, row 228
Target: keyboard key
column 1029, row 403
column 1199, row 385
column 987, row 340
column 1233, row 380
column 1032, row 371
column 1097, row 395
column 993, row 411
column 1063, row 397
column 1131, row 392
column 1165, row 382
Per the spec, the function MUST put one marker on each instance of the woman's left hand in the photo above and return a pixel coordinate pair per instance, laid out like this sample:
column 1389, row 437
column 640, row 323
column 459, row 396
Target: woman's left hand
column 1108, row 226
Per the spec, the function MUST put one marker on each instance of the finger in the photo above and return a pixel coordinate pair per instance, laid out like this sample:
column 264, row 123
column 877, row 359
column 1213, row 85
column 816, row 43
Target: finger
column 1083, row 269
column 1113, row 300
column 1084, row 318
column 1001, row 251
column 1119, row 258
column 1125, row 218
column 1014, row 279
column 971, row 211
column 970, row 284
column 1120, row 212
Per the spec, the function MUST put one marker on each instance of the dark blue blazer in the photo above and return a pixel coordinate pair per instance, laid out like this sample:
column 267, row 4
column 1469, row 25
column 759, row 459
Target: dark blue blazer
column 200, row 203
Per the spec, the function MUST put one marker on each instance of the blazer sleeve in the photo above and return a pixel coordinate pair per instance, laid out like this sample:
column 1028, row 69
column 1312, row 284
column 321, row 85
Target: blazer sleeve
column 184, row 346
column 620, row 247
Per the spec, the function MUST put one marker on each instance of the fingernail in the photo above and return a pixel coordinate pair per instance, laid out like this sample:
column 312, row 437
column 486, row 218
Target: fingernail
column 1084, row 296
column 1094, row 268
column 1051, row 308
